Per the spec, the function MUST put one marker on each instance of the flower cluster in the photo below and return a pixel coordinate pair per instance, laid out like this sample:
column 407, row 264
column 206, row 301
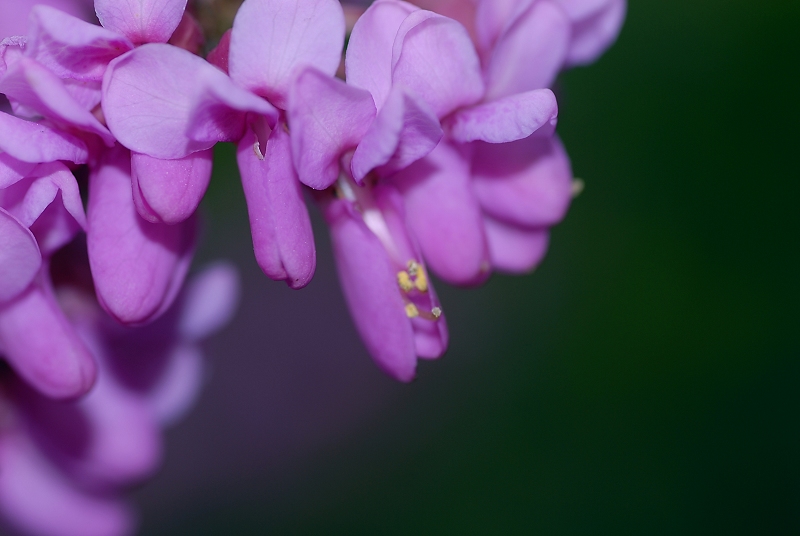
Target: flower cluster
column 432, row 152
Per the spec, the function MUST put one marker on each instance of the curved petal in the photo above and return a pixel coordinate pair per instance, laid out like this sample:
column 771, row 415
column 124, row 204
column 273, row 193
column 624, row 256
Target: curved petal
column 169, row 191
column 461, row 10
column 29, row 83
column 49, row 203
column 20, row 258
column 327, row 118
column 39, row 499
column 13, row 170
column 138, row 267
column 34, row 142
column 281, row 228
column 369, row 283
column 165, row 102
column 493, row 17
column 403, row 132
column 209, row 301
column 538, row 40
column 11, row 50
column 507, row 119
column 271, row 40
column 515, row 250
column 595, row 27
column 141, row 21
column 443, row 213
column 527, row 182
column 426, row 39
column 368, row 62
column 178, row 385
column 70, row 47
column 42, row 347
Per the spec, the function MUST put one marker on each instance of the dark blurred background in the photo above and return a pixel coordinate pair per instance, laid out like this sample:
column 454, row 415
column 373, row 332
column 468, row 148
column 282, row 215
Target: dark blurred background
column 644, row 380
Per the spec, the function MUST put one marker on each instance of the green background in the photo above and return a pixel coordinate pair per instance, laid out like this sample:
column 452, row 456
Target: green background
column 644, row 380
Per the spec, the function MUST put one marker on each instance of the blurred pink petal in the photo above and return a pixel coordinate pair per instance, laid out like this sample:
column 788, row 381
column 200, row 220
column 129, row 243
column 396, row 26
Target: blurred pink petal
column 141, row 21
column 530, row 52
column 327, row 118
column 35, row 142
column 272, row 39
column 282, row 237
column 404, row 131
column 42, row 347
column 20, row 258
column 527, row 183
column 515, row 249
column 178, row 386
column 138, row 266
column 508, row 119
column 595, row 27
column 169, row 191
column 13, row 170
column 39, row 499
column 209, row 301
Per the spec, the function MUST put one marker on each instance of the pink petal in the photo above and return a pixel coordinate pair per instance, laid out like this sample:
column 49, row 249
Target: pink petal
column 369, row 282
column 369, row 51
column 169, row 191
column 404, row 131
column 39, row 499
column 527, row 182
column 516, row 250
column 327, row 118
column 425, row 40
column 141, row 21
column 272, row 40
column 15, row 21
column 461, row 10
column 165, row 102
column 32, row 85
column 20, row 258
column 444, row 216
column 221, row 53
column 178, row 386
column 493, row 18
column 138, row 266
column 209, row 301
column 11, row 50
column 507, row 119
column 70, row 47
column 34, row 142
column 13, row 170
column 282, row 237
column 41, row 345
column 188, row 35
column 539, row 40
column 595, row 27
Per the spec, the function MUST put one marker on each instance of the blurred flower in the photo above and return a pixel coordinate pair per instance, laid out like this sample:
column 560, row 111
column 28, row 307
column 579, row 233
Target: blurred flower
column 66, row 464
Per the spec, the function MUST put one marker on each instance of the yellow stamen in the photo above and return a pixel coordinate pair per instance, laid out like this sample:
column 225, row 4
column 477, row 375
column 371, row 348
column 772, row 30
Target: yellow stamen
column 422, row 281
column 411, row 310
column 404, row 280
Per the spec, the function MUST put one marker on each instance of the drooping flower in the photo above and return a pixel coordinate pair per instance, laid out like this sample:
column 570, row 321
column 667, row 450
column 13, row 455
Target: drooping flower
column 66, row 464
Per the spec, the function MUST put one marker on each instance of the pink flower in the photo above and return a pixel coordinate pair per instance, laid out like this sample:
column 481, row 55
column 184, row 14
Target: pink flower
column 66, row 464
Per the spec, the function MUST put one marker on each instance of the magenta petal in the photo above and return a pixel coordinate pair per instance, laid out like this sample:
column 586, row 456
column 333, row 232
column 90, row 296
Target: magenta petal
column 39, row 499
column 327, row 118
column 34, row 142
column 538, row 39
column 209, row 301
column 516, row 250
column 138, row 266
column 41, row 345
column 271, row 40
column 13, row 170
column 426, row 39
column 595, row 26
column 369, row 282
column 11, row 50
column 49, row 203
column 527, row 182
column 141, row 21
column 508, row 119
column 169, row 191
column 70, row 47
column 178, row 385
column 20, row 258
column 282, row 237
column 443, row 213
column 368, row 62
column 404, row 131
column 32, row 85
column 165, row 102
